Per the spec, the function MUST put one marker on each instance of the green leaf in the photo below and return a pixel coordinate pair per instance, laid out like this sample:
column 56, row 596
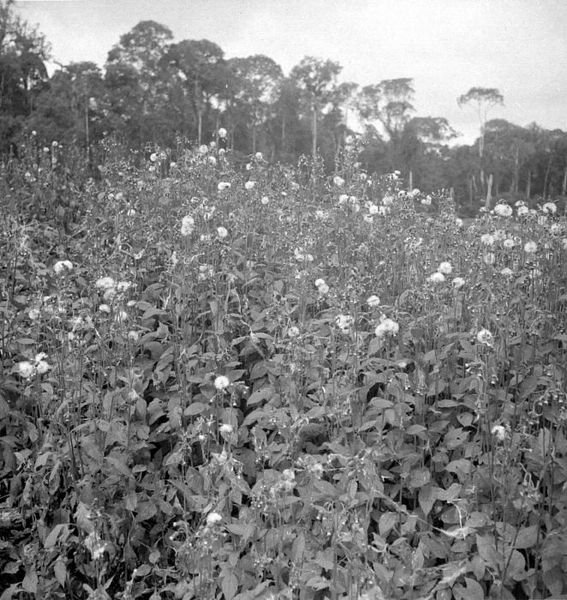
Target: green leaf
column 229, row 584
column 30, row 581
column 415, row 429
column 387, row 522
column 488, row 552
column 54, row 534
column 298, row 549
column 462, row 467
column 527, row 537
column 553, row 580
column 471, row 591
column 195, row 409
column 516, row 566
column 60, row 570
column 426, row 498
column 418, row 478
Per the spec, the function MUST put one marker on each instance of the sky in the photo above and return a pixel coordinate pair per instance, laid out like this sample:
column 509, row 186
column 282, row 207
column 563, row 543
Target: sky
column 446, row 46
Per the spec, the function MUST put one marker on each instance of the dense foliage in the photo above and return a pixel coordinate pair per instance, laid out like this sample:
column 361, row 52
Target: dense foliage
column 156, row 91
column 272, row 383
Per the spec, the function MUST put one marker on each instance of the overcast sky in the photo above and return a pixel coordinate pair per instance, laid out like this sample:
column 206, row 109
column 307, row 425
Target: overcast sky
column 446, row 46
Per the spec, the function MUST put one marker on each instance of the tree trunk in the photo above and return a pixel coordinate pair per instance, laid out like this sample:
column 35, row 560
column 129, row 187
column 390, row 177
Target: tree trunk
column 314, row 151
column 199, row 126
column 546, row 178
column 410, row 180
column 564, row 184
column 87, row 128
column 529, row 186
column 254, row 138
column 489, row 191
column 516, row 169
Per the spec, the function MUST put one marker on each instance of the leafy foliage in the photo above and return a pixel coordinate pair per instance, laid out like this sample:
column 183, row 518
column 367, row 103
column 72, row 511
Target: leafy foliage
column 266, row 382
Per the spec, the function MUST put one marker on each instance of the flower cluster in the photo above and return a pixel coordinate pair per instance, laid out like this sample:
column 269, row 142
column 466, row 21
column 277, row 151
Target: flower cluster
column 344, row 323
column 37, row 366
column 322, row 287
column 386, row 327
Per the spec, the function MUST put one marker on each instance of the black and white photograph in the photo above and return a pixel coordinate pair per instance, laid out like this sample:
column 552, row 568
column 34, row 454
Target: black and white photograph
column 283, row 299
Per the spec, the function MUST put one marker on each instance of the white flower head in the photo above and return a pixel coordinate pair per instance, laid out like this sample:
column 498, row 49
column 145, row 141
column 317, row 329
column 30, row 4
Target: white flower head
column 104, row 308
column 386, row 327
column 487, row 239
column 484, row 337
column 222, row 382
column 387, row 200
column 459, row 222
column 344, row 323
column 489, row 258
column 41, row 366
column 62, row 265
column 338, row 181
column 508, row 243
column 549, row 208
column 123, row 286
column 25, row 369
column 259, row 156
column 187, row 225
column 222, row 133
column 458, row 283
column 265, row 200
column 223, row 185
column 436, row 277
column 213, row 518
column 530, row 247
column 105, row 283
column 503, row 210
column 373, row 301
column 426, row 201
column 222, row 232
column 506, row 272
column 523, row 210
column 499, row 432
column 445, row 268
column 293, row 331
column 212, row 160
column 203, row 149
column 226, row 428
column 249, row 185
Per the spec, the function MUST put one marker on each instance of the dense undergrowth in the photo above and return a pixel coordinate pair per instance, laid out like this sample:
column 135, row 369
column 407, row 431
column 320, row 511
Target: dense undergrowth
column 270, row 383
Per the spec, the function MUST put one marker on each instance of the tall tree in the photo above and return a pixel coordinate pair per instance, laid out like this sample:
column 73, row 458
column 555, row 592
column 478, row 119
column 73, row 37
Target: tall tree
column 256, row 82
column 135, row 67
column 23, row 53
column 316, row 81
column 422, row 146
column 71, row 108
column 483, row 99
column 387, row 106
column 202, row 70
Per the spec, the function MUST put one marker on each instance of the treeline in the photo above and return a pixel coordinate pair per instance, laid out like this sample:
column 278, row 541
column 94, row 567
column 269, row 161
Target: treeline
column 154, row 92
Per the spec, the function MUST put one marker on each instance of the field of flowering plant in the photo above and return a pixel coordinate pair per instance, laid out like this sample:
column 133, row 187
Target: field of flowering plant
column 264, row 382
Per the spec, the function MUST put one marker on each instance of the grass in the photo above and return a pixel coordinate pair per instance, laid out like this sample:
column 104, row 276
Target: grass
column 295, row 386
